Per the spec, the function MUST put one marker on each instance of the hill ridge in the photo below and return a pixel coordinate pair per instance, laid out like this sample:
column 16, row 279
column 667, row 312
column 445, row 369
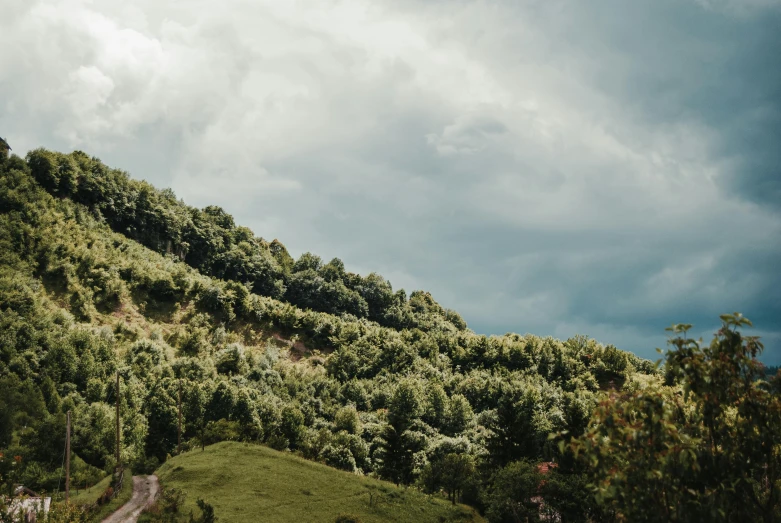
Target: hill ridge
column 431, row 404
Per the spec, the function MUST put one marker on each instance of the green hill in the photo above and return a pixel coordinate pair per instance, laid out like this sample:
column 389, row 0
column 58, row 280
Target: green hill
column 103, row 275
column 253, row 483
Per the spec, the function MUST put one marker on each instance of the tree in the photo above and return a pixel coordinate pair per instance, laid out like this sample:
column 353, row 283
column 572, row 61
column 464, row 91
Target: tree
column 378, row 293
column 458, row 471
column 398, row 442
column 291, row 426
column 162, row 417
column 194, row 401
column 222, row 403
column 516, row 433
column 567, row 497
column 308, row 261
column 338, row 457
column 458, row 416
column 435, row 405
column 704, row 449
column 510, row 497
column 44, row 168
column 347, row 419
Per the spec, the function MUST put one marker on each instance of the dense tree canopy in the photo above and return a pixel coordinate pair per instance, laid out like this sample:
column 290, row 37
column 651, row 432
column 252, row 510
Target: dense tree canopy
column 101, row 274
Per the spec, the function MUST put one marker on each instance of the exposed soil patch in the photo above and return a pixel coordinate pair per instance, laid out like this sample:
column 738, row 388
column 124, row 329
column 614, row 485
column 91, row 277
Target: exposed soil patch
column 297, row 349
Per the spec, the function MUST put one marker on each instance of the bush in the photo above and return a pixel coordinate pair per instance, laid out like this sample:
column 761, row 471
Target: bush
column 347, row 518
column 347, row 419
column 164, row 289
column 207, row 513
column 222, row 430
column 338, row 457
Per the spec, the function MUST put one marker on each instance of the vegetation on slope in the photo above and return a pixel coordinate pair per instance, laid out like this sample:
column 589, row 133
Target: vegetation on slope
column 423, row 401
column 253, row 483
column 210, row 241
column 101, row 500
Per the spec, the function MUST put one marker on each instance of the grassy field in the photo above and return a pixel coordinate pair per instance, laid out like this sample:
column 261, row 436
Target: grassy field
column 89, row 496
column 253, row 483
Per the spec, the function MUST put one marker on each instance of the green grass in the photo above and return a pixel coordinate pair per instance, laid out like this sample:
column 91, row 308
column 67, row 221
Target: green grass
column 89, row 496
column 254, row 483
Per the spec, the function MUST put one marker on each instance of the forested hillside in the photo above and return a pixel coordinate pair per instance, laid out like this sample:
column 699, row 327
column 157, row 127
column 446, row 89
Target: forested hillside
column 100, row 274
column 209, row 241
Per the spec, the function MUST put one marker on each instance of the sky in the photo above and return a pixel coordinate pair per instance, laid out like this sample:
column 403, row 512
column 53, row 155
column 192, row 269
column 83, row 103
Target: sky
column 605, row 168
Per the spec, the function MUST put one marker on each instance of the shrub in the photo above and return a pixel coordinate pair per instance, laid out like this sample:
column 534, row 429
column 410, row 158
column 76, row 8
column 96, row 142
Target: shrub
column 207, row 513
column 338, row 457
column 347, row 419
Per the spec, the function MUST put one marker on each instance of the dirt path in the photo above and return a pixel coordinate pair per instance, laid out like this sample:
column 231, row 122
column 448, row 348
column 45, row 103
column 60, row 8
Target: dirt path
column 144, row 491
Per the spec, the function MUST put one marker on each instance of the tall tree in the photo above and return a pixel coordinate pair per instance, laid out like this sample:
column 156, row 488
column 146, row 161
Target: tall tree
column 399, row 441
column 705, row 448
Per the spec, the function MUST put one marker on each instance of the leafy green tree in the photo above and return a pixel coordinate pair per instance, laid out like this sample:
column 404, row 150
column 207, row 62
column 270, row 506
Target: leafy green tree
column 354, row 392
column 291, row 426
column 338, row 457
column 44, row 167
column 94, row 433
column 435, row 406
column 458, row 471
column 347, row 419
column 516, row 433
column 568, row 498
column 194, row 402
column 162, row 417
column 703, row 450
column 222, row 402
column 378, row 294
column 21, row 404
column 308, row 261
column 245, row 412
column 231, row 360
column 399, row 442
column 511, row 496
column 281, row 255
column 458, row 415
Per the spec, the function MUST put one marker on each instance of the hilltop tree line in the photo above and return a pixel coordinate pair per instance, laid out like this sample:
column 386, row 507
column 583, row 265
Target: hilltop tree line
column 423, row 401
column 209, row 240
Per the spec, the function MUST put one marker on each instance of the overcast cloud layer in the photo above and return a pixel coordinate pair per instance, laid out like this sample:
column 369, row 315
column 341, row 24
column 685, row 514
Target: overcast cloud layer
column 605, row 168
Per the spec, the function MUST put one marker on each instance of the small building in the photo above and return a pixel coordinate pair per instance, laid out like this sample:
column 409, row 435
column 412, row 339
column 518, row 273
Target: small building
column 29, row 504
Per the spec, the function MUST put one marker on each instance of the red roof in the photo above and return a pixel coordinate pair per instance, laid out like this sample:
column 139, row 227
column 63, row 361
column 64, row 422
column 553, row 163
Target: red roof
column 545, row 466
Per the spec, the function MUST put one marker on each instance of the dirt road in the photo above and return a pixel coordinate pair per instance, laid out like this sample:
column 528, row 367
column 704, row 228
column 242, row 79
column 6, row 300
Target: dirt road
column 144, row 491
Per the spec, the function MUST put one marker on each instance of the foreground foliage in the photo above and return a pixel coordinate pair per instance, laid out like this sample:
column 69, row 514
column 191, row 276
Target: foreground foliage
column 704, row 447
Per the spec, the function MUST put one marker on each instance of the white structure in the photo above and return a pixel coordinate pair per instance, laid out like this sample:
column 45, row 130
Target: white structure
column 28, row 503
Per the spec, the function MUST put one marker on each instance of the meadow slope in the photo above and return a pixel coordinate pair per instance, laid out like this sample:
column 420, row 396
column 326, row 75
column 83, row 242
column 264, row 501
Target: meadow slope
column 246, row 482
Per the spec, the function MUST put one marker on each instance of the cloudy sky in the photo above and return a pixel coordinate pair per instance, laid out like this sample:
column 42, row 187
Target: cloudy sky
column 554, row 167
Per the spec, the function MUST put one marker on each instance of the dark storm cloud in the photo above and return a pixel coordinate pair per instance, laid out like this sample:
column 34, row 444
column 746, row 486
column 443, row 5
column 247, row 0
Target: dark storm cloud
column 552, row 167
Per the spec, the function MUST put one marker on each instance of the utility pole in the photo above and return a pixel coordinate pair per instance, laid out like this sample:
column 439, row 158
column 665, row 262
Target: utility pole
column 179, row 435
column 117, row 447
column 68, row 456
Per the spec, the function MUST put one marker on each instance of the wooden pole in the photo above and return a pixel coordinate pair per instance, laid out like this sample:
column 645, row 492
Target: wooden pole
column 179, row 435
column 117, row 446
column 68, row 456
